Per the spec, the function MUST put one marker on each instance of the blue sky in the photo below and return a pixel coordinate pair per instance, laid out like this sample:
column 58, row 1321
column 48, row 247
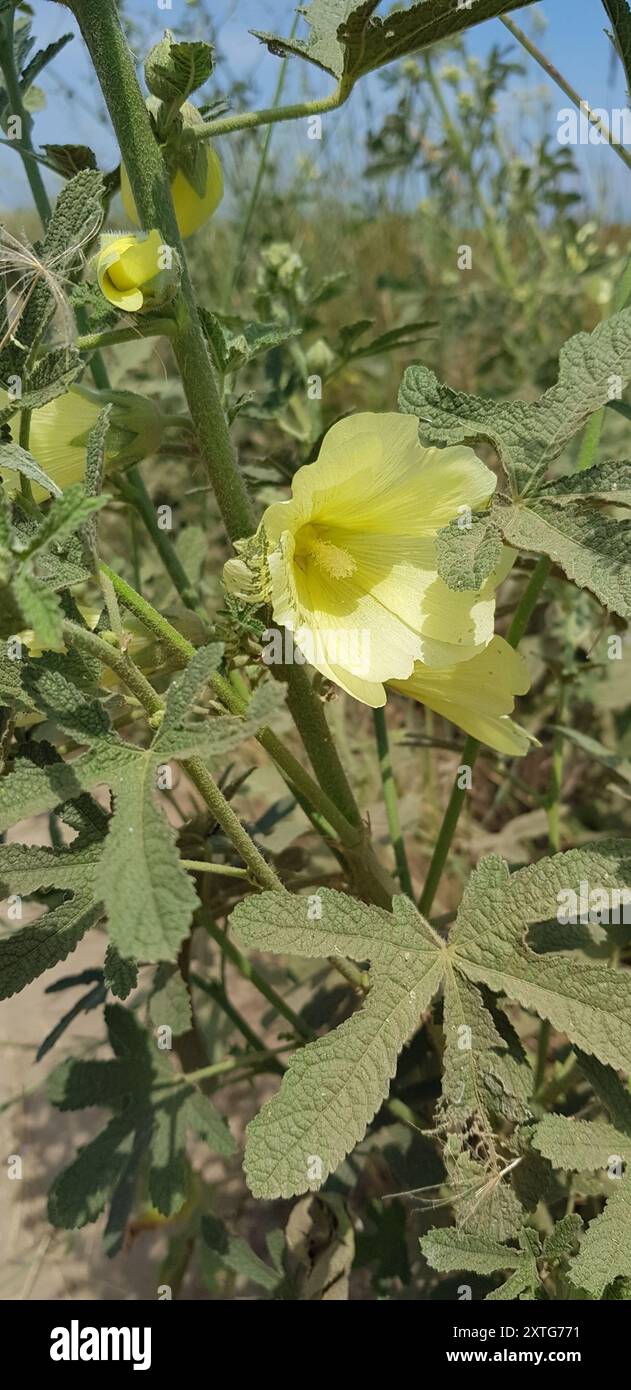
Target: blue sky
column 573, row 38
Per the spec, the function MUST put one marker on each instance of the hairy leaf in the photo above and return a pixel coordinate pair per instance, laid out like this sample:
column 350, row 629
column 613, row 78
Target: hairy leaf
column 28, row 951
column 170, row 1002
column 52, row 376
column 345, row 39
column 234, row 342
column 174, row 70
column 580, row 1145
column 334, row 1086
column 147, row 895
column 17, row 460
column 605, row 1252
column 528, row 435
column 591, row 547
column 447, row 1249
column 605, row 482
column 590, row 1003
column 485, row 1073
column 467, row 555
column 564, row 1238
column 221, row 1250
column 120, row 975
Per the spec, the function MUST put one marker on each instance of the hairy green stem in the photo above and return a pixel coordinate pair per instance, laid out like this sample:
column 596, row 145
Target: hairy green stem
column 391, row 801
column 24, row 441
column 117, row 661
column 113, row 63
column 260, row 870
column 114, row 66
column 132, row 487
column 110, row 337
column 523, row 614
column 122, row 665
column 173, row 640
column 272, row 115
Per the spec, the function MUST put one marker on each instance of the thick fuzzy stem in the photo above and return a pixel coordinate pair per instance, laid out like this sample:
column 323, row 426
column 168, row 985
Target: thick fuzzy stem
column 113, row 62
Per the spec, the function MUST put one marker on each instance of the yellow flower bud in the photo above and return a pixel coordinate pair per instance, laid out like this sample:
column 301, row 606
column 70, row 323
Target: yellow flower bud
column 192, row 209
column 59, row 434
column 136, row 272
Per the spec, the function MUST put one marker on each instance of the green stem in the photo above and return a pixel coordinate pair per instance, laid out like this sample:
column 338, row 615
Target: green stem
column 154, row 328
column 553, row 812
column 259, row 869
column 24, row 440
column 131, row 486
column 173, row 640
column 250, row 972
column 308, row 714
column 122, row 665
column 351, row 832
column 215, row 991
column 114, row 66
column 528, row 601
column 391, row 801
column 597, row 121
column 246, row 1059
column 17, row 108
column 117, row 661
column 203, row 866
column 272, row 115
column 447, row 829
column 523, row 614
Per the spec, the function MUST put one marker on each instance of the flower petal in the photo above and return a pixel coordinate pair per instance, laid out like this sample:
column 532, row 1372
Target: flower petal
column 54, row 428
column 372, row 474
column 336, row 624
column 400, row 573
column 477, row 695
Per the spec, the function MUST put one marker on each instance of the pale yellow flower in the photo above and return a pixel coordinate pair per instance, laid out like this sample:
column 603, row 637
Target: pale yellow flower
column 354, row 550
column 477, row 695
column 349, row 567
column 59, row 433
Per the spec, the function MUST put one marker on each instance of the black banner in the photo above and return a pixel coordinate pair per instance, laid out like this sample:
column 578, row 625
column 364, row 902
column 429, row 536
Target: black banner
column 150, row 1339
